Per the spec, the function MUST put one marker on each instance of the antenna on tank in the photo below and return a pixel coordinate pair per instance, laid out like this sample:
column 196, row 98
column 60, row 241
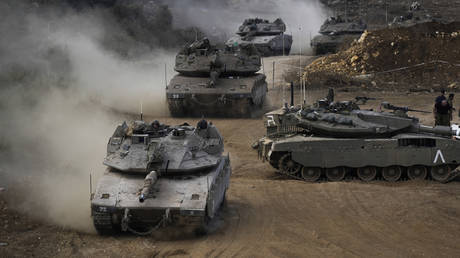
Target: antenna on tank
column 300, row 60
column 166, row 80
column 90, row 187
column 141, row 112
column 283, row 42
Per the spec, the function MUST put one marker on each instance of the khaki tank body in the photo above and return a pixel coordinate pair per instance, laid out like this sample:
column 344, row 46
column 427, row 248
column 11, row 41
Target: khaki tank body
column 416, row 14
column 268, row 37
column 338, row 139
column 216, row 82
column 159, row 175
column 333, row 32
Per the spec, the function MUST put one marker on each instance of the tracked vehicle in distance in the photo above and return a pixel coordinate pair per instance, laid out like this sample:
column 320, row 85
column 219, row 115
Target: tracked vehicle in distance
column 268, row 37
column 334, row 140
column 159, row 175
column 335, row 31
column 416, row 15
column 211, row 81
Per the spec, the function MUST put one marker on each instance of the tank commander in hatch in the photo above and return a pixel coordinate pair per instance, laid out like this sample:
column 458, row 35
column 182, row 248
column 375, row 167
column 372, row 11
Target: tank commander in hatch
column 157, row 129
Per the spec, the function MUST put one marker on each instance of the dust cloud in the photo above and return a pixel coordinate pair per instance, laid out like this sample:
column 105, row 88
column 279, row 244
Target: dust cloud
column 220, row 19
column 62, row 92
column 61, row 96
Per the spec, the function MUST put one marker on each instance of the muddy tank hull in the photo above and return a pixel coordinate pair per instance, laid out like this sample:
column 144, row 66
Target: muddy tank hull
column 324, row 44
column 230, row 96
column 272, row 45
column 189, row 201
column 413, row 156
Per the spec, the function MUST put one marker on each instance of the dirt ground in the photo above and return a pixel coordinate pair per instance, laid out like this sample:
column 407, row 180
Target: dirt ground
column 270, row 216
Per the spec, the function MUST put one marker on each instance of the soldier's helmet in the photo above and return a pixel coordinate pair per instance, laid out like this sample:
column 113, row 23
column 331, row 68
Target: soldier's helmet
column 202, row 124
column 156, row 124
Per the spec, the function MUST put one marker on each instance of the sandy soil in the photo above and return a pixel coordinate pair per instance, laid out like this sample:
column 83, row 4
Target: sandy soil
column 271, row 216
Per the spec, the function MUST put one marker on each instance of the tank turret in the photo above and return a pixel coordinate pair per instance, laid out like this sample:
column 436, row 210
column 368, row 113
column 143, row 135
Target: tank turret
column 268, row 37
column 338, row 139
column 159, row 175
column 415, row 14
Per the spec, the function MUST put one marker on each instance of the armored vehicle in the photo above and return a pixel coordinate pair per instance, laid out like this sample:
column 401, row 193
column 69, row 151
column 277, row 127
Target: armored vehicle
column 201, row 58
column 334, row 32
column 337, row 140
column 159, row 175
column 216, row 82
column 414, row 16
column 267, row 37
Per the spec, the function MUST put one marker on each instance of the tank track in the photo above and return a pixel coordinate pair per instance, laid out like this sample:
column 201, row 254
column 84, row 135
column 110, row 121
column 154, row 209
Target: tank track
column 293, row 170
column 241, row 108
column 103, row 223
column 355, row 178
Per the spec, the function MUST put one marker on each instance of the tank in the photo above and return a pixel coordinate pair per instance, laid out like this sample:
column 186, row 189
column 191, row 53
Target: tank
column 268, row 37
column 159, row 175
column 201, row 58
column 216, row 82
column 415, row 15
column 337, row 140
column 335, row 31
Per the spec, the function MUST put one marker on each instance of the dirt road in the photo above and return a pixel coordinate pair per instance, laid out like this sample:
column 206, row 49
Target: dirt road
column 269, row 216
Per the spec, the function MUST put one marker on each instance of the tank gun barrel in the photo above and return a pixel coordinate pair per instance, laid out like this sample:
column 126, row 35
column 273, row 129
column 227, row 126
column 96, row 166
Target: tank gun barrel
column 401, row 108
column 439, row 130
column 149, row 181
column 363, row 99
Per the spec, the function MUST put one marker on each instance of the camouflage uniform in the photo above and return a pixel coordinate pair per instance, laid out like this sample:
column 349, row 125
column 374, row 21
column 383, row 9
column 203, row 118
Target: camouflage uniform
column 442, row 115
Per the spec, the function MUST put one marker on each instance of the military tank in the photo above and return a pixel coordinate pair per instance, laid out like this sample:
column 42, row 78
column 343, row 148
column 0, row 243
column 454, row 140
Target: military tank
column 416, row 15
column 212, row 81
column 335, row 140
column 334, row 31
column 159, row 175
column 268, row 37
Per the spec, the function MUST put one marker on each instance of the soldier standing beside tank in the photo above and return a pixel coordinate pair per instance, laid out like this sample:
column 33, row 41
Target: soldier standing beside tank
column 438, row 99
column 450, row 100
column 442, row 115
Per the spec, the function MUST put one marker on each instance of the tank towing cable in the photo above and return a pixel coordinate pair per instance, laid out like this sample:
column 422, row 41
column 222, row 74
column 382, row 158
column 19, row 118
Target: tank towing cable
column 126, row 219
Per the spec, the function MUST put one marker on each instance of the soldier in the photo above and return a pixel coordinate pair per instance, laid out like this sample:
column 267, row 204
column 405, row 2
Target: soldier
column 156, row 125
column 441, row 97
column 450, row 100
column 156, row 129
column 438, row 99
column 442, row 115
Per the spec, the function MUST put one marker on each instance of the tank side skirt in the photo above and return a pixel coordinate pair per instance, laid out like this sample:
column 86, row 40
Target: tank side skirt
column 318, row 154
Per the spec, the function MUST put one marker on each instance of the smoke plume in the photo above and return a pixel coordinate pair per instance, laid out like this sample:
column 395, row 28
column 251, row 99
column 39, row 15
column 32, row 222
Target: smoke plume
column 64, row 87
column 220, row 19
column 61, row 96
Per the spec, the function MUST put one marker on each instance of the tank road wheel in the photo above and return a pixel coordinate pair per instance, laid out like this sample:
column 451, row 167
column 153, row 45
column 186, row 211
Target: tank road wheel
column 335, row 174
column 441, row 173
column 392, row 173
column 288, row 166
column 367, row 173
column 310, row 174
column 417, row 172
